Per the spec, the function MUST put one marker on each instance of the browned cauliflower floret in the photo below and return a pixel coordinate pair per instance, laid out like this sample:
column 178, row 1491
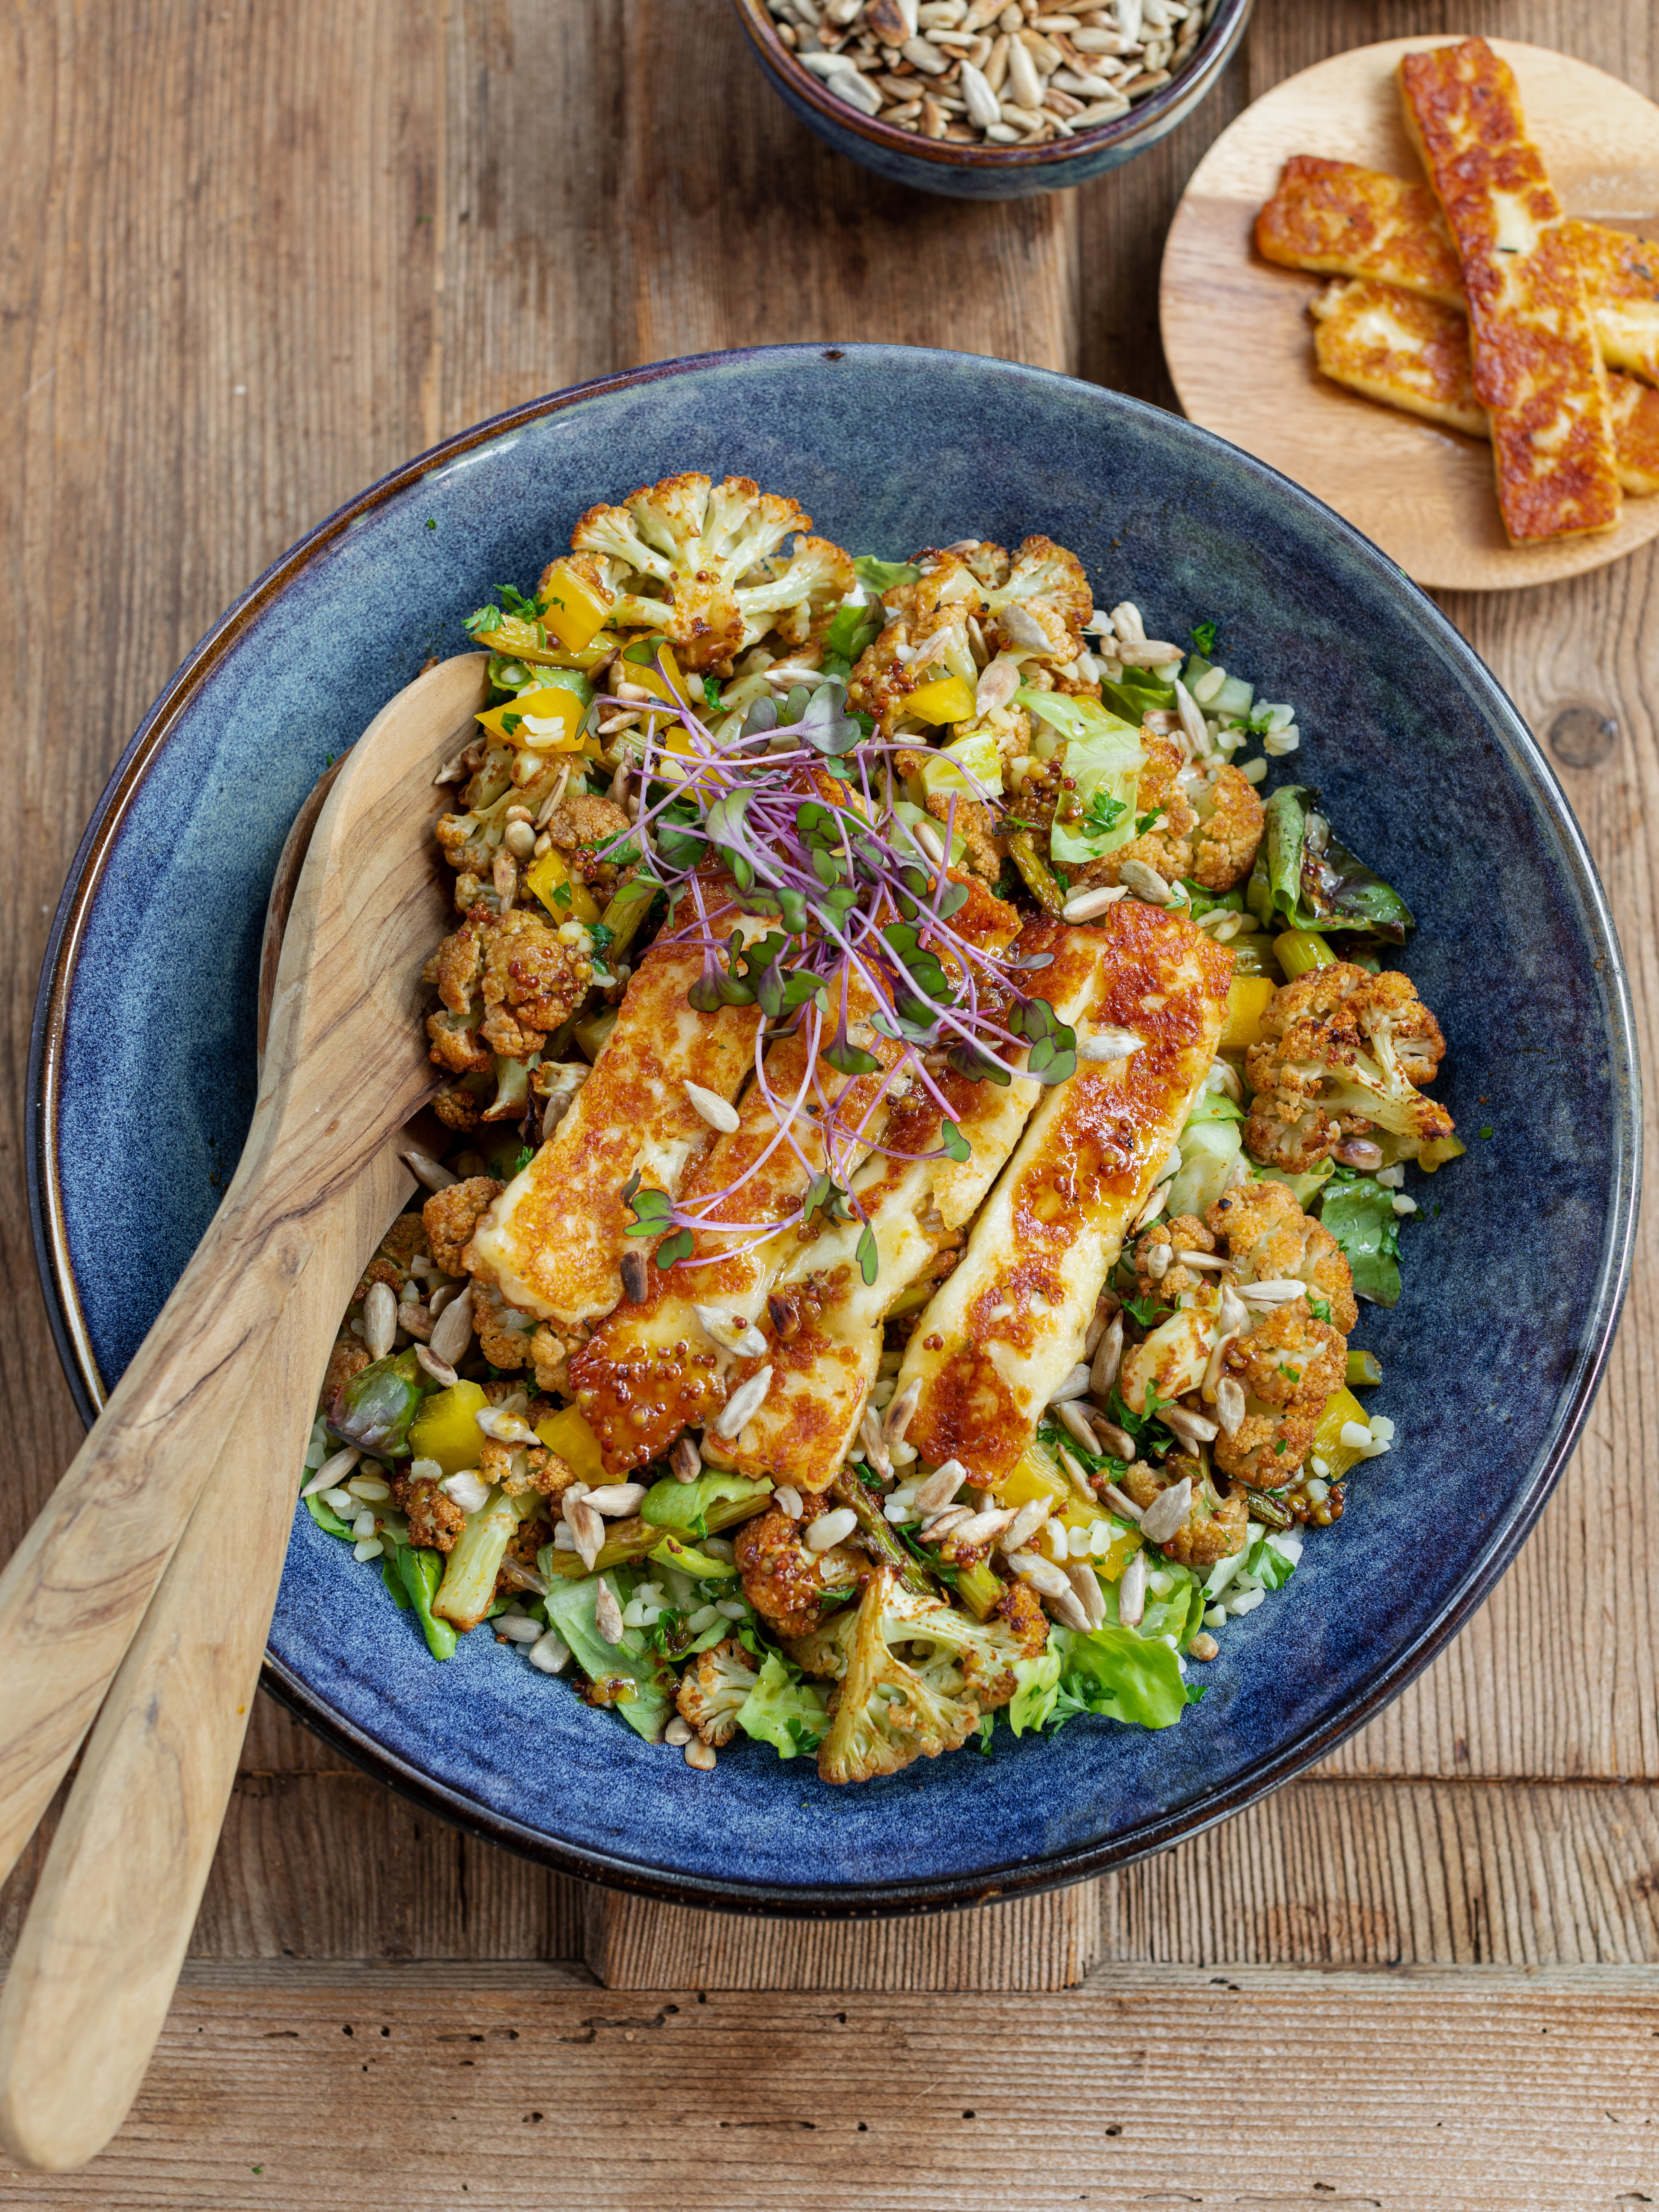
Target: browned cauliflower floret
column 593, row 831
column 505, row 981
column 1288, row 1356
column 1043, row 603
column 973, row 825
column 549, row 1354
column 1268, row 1449
column 1228, row 830
column 781, row 1579
column 435, row 1519
column 987, row 563
column 926, row 640
column 504, row 1332
column 1269, row 1238
column 459, row 1107
column 404, row 1241
column 1157, row 1246
column 680, row 557
column 714, row 1688
column 452, row 1215
column 349, row 1358
column 1215, row 1526
column 1339, row 1041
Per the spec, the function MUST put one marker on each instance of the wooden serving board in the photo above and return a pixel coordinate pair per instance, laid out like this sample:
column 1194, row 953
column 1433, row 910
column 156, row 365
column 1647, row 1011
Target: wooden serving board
column 1239, row 340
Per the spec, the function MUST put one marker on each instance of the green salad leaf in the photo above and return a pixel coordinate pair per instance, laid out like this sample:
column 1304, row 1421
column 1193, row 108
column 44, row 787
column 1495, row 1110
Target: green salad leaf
column 792, row 1716
column 682, row 1508
column 881, row 575
column 1294, row 887
column 1360, row 1213
column 1111, row 1671
column 570, row 1608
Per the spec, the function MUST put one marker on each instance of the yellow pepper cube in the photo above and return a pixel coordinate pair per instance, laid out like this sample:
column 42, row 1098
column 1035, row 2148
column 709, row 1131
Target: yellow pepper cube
column 946, row 699
column 571, row 609
column 1341, row 1407
column 550, row 881
column 446, row 1428
column 567, row 1433
column 524, row 720
column 1249, row 998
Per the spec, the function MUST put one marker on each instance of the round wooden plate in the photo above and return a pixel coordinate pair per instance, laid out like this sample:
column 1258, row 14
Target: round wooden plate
column 1239, row 340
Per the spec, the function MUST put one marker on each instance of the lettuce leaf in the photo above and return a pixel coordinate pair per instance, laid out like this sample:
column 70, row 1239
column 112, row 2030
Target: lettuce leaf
column 1360, row 1213
column 792, row 1716
column 682, row 1508
column 1292, row 888
column 1111, row 1671
column 571, row 1609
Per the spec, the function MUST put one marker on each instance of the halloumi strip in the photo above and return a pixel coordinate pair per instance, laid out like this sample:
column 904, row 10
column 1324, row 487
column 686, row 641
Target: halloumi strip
column 652, row 1370
column 1339, row 219
column 825, row 1351
column 1412, row 353
column 1005, row 1327
column 552, row 1243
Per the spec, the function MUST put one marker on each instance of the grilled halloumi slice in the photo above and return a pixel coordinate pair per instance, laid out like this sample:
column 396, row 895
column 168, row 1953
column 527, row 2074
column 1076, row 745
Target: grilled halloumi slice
column 552, row 1243
column 1007, row 1325
column 1339, row 219
column 1412, row 352
column 652, row 1368
column 1538, row 369
column 823, row 1328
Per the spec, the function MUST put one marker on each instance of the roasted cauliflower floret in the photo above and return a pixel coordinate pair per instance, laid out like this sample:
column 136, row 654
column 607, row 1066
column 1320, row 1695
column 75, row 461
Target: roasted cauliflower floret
column 504, row 1332
column 506, row 981
column 977, row 1656
column 824, row 575
column 592, row 832
column 926, row 640
column 435, row 1519
column 1339, row 1041
column 781, row 1579
column 1268, row 1449
column 678, row 557
column 1225, row 838
column 403, row 1242
column 1203, row 824
column 1215, row 1526
column 713, row 1689
column 1269, row 1238
column 520, row 1468
column 1041, row 607
column 1289, row 1357
column 450, row 1216
column 884, row 1712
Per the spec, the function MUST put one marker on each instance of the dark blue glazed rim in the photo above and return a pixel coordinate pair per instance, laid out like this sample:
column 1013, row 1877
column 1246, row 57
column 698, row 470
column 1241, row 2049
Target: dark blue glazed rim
column 982, row 171
column 1492, row 1360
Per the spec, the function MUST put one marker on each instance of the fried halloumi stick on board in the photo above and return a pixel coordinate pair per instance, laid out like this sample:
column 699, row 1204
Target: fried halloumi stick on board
column 1412, row 352
column 552, row 1242
column 1538, row 369
column 1339, row 219
column 824, row 1327
column 1007, row 1325
column 652, row 1368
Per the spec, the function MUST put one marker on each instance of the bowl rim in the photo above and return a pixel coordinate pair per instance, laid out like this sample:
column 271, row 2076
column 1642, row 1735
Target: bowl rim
column 1216, row 44
column 930, row 1892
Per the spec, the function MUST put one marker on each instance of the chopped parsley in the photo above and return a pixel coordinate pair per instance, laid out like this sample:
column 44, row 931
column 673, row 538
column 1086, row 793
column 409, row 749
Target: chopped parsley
column 1203, row 636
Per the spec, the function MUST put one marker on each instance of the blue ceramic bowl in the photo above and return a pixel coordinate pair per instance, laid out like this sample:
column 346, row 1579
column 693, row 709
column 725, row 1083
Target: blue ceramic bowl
column 982, row 171
column 142, row 1079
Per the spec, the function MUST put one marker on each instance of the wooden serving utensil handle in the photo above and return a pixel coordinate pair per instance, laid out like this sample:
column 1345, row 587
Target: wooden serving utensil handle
column 112, row 1917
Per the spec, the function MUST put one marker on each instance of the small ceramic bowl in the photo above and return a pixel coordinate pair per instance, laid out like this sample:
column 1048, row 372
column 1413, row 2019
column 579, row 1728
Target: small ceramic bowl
column 982, row 171
column 141, row 1086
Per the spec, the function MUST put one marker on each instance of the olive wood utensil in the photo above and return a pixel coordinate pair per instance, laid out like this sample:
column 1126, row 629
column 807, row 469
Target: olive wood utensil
column 343, row 1070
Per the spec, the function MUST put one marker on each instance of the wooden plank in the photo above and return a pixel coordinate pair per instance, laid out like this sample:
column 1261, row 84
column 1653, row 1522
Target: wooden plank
column 1486, row 2091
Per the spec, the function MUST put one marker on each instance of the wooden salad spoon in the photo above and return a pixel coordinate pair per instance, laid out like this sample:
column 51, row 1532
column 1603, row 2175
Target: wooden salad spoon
column 223, row 1386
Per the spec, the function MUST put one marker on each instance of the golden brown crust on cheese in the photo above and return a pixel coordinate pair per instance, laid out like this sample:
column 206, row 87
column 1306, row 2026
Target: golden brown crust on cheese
column 1339, row 219
column 1537, row 367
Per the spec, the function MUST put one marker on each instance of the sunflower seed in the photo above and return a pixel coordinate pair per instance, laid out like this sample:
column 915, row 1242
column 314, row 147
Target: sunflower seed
column 745, row 1402
column 983, row 1528
column 875, row 1444
column 1168, row 1511
column 1120, row 1502
column 685, row 1460
column 1359, row 1152
column 787, row 1500
column 1084, row 906
column 1229, row 1406
column 1154, row 1205
column 440, row 1370
column 1117, row 1443
column 678, row 1732
column 1073, row 1418
column 1192, row 722
column 1085, row 1587
column 607, row 1613
column 426, row 1171
column 1075, row 1384
column 1109, row 1352
column 1076, row 1477
column 730, row 1332
column 380, row 1320
column 636, row 1277
column 941, row 1487
column 585, row 1527
column 1192, row 1428
column 616, row 1499
column 506, row 1428
column 712, row 1108
column 1026, row 1522
column 1131, row 1593
column 1158, row 1262
column 1145, row 652
column 1233, row 1313
column 902, row 1412
column 947, row 1523
column 468, row 1489
column 333, row 1471
column 452, row 1332
column 1274, row 1291
column 1026, row 86
column 930, row 841
column 1109, row 1045
column 1145, row 881
column 1000, row 679
column 700, row 1755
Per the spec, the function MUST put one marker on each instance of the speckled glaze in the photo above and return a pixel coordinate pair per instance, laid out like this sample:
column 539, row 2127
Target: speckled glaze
column 982, row 171
column 143, row 1074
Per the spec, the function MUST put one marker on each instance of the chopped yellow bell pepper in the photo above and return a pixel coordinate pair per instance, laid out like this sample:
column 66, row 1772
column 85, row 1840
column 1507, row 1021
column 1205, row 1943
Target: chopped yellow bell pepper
column 979, row 755
column 1340, row 1407
column 446, row 1428
column 567, row 1433
column 551, row 703
column 1249, row 998
column 1300, row 949
column 515, row 639
column 550, row 881
column 946, row 699
column 571, row 611
column 1037, row 1474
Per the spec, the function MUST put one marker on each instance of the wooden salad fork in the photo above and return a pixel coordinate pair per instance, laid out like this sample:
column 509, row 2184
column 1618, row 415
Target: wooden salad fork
column 153, row 1572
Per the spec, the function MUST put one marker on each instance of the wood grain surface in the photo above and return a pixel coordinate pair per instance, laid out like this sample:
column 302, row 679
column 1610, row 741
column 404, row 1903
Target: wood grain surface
column 255, row 256
column 1425, row 494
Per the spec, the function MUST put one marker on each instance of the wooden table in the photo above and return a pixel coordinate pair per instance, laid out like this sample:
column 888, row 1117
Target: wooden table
column 254, row 256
